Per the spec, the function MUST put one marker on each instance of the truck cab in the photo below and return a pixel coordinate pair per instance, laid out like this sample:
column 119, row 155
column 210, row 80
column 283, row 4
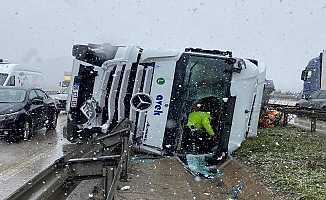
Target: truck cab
column 311, row 77
column 156, row 89
column 314, row 75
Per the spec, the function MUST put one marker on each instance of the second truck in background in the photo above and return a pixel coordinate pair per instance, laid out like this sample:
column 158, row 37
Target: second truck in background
column 314, row 75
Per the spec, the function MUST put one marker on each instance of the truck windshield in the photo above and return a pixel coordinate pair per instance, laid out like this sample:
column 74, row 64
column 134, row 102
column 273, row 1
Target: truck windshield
column 206, row 77
column 3, row 78
column 8, row 95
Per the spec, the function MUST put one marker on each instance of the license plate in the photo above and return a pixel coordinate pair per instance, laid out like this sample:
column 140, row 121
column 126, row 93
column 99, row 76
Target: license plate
column 74, row 93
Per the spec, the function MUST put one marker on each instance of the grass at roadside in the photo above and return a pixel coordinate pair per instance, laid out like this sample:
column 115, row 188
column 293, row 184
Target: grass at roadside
column 291, row 161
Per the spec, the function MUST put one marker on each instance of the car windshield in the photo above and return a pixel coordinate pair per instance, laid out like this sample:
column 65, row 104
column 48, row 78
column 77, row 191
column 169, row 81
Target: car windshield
column 12, row 95
column 3, row 78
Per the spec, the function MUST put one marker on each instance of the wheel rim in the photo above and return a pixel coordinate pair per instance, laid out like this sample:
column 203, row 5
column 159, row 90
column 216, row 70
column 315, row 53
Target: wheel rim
column 26, row 130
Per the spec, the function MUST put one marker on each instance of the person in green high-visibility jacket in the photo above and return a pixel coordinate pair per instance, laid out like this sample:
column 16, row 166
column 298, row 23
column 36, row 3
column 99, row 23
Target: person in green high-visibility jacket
column 200, row 121
column 199, row 135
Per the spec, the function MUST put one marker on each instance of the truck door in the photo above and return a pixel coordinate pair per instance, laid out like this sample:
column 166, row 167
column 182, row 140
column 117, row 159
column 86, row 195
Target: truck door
column 199, row 78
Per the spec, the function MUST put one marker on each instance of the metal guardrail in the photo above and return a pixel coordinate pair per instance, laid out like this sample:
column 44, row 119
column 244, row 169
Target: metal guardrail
column 295, row 96
column 109, row 165
column 312, row 114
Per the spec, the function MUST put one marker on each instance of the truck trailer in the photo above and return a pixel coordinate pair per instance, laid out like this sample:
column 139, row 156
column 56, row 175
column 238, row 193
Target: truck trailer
column 155, row 89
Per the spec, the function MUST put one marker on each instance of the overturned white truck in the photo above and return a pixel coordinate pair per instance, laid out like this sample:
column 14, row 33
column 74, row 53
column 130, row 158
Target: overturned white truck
column 156, row 88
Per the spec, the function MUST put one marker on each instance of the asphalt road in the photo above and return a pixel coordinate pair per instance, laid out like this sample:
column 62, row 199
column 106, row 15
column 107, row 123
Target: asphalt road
column 20, row 161
column 304, row 123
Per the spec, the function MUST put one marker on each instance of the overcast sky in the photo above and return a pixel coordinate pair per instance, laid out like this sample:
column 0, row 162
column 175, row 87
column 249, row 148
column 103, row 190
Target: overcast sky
column 284, row 34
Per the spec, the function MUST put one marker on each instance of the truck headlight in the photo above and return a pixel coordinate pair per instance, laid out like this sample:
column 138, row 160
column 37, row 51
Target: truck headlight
column 89, row 109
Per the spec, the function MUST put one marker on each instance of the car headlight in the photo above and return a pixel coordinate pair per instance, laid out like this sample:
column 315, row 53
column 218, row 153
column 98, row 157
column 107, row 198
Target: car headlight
column 10, row 116
column 89, row 109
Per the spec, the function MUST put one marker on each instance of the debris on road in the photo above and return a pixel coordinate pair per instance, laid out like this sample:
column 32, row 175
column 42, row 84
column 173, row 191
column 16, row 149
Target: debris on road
column 197, row 164
column 235, row 190
column 270, row 119
column 127, row 187
column 167, row 178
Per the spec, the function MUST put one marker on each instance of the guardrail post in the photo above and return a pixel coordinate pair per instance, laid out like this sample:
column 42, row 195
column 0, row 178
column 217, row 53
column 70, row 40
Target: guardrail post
column 108, row 179
column 285, row 119
column 313, row 121
column 125, row 149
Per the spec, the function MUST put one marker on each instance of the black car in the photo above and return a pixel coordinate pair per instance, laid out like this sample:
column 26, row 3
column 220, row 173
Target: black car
column 24, row 110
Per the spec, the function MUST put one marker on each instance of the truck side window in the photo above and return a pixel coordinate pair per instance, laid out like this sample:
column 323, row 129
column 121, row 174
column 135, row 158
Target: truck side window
column 11, row 81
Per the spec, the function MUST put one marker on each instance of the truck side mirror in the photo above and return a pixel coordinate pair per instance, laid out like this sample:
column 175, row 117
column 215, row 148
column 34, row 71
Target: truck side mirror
column 234, row 65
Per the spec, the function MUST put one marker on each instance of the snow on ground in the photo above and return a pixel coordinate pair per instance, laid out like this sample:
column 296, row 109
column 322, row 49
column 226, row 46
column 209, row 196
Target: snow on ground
column 21, row 161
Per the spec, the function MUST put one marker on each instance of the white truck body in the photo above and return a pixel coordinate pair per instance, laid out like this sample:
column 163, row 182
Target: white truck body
column 20, row 76
column 142, row 85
